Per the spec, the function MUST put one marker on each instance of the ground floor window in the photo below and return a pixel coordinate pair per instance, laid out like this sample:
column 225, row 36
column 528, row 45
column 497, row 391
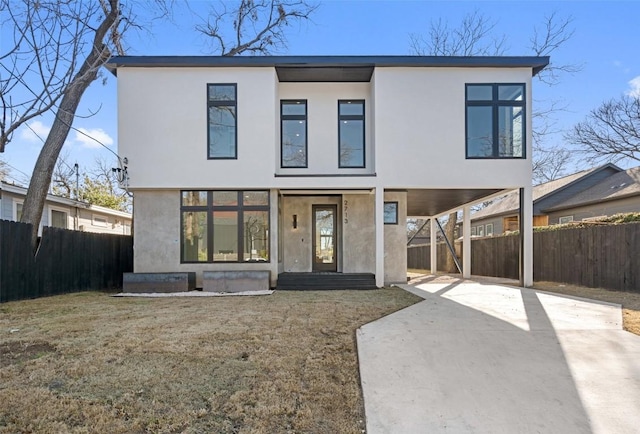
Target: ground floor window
column 224, row 226
column 58, row 219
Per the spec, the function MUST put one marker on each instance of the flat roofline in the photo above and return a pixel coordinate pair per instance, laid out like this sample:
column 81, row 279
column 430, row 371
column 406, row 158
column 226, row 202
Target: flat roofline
column 536, row 63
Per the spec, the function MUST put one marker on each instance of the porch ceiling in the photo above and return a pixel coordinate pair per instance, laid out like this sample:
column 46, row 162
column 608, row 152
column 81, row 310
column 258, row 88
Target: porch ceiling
column 431, row 202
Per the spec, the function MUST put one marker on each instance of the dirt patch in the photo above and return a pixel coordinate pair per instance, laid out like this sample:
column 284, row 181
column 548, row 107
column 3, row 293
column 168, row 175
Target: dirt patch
column 18, row 351
column 630, row 301
column 283, row 363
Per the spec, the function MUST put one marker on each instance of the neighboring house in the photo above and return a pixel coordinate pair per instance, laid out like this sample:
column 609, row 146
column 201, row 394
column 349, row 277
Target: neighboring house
column 312, row 163
column 65, row 213
column 597, row 192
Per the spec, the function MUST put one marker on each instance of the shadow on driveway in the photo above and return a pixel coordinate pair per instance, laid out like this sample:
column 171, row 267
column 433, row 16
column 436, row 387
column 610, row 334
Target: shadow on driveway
column 476, row 358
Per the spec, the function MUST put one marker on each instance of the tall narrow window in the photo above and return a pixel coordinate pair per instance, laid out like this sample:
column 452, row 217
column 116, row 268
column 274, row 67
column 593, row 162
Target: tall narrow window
column 351, row 133
column 222, row 121
column 293, row 133
column 495, row 120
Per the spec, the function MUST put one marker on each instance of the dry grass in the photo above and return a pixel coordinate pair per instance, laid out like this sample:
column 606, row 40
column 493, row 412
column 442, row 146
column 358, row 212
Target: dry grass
column 630, row 301
column 273, row 364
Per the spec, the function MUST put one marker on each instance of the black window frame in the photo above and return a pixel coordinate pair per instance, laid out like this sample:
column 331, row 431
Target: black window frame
column 361, row 117
column 222, row 103
column 304, row 118
column 495, row 103
column 394, row 204
column 209, row 208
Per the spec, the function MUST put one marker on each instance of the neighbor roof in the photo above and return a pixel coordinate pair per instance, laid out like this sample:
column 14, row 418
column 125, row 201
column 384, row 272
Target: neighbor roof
column 511, row 202
column 618, row 186
column 22, row 191
column 329, row 68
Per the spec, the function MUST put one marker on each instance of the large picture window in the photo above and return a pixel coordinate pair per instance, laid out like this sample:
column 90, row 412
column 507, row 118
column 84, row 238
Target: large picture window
column 225, row 226
column 222, row 121
column 293, row 133
column 495, row 121
column 351, row 133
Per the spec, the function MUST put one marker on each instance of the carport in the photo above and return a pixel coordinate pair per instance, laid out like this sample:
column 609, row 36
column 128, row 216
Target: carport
column 432, row 204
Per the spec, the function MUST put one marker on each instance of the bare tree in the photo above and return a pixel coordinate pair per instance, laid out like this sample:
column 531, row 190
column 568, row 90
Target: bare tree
column 550, row 163
column 610, row 133
column 256, row 27
column 4, row 170
column 40, row 61
column 475, row 36
column 555, row 33
column 57, row 51
column 65, row 178
column 98, row 24
column 96, row 186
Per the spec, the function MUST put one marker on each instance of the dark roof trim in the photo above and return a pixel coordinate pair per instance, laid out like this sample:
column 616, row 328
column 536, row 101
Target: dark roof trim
column 537, row 64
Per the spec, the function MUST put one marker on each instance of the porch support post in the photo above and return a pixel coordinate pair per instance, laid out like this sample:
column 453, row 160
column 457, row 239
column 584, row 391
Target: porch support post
column 433, row 236
column 466, row 242
column 379, row 219
column 526, row 236
column 273, row 234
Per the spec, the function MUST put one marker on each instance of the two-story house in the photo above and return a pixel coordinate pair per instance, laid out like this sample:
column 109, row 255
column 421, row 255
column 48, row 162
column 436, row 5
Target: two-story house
column 311, row 164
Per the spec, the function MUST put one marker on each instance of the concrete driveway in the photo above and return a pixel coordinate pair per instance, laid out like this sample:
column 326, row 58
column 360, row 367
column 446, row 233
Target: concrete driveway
column 485, row 358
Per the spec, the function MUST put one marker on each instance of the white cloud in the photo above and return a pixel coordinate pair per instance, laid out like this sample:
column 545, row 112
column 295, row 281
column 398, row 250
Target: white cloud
column 86, row 138
column 634, row 86
column 35, row 132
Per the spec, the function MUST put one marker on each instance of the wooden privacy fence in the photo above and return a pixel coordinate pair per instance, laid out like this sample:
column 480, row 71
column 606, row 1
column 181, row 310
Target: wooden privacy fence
column 602, row 256
column 66, row 261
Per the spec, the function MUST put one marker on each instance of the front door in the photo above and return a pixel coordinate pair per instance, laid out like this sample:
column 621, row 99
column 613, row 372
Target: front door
column 324, row 238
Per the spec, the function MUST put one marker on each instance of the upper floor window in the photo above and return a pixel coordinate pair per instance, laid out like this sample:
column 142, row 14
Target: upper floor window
column 293, row 133
column 351, row 133
column 222, row 121
column 495, row 120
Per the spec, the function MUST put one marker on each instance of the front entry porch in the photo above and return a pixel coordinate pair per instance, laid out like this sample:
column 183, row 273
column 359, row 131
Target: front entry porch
column 325, row 280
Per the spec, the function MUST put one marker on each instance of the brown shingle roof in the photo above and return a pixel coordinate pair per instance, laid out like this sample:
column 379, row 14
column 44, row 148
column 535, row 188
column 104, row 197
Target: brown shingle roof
column 511, row 202
column 617, row 186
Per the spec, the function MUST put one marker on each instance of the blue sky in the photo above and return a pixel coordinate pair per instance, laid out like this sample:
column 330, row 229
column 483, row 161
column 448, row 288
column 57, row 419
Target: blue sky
column 605, row 42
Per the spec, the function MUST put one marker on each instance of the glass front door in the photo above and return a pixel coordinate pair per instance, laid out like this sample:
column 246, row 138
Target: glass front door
column 324, row 238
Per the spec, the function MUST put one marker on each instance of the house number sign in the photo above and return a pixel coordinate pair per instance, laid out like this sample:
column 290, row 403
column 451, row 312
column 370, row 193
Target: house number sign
column 346, row 211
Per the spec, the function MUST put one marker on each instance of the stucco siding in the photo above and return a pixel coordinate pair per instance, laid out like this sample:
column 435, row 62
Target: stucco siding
column 162, row 127
column 420, row 129
column 415, row 129
column 395, row 241
column 156, row 245
column 359, row 233
column 322, row 124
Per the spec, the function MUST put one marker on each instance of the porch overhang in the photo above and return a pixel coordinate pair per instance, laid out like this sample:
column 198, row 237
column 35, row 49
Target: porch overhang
column 429, row 202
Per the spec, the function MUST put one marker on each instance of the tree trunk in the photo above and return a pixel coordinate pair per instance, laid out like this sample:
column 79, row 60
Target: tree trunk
column 449, row 231
column 43, row 170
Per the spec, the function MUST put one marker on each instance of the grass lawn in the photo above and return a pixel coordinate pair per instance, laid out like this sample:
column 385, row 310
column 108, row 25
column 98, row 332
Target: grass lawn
column 283, row 363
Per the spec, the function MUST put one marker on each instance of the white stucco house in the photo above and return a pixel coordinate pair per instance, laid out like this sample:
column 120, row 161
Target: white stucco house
column 311, row 164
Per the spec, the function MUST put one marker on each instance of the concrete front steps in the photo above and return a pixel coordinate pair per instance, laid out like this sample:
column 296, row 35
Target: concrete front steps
column 325, row 281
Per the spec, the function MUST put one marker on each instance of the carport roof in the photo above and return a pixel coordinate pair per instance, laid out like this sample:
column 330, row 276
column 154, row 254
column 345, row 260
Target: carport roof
column 432, row 202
